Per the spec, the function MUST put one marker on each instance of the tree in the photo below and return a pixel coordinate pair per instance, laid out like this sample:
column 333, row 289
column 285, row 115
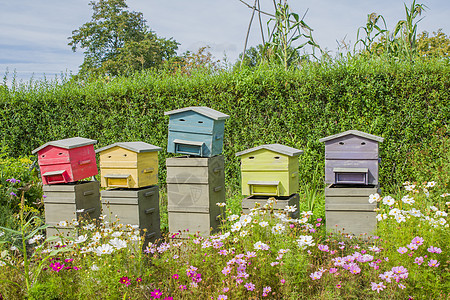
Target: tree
column 117, row 41
column 433, row 46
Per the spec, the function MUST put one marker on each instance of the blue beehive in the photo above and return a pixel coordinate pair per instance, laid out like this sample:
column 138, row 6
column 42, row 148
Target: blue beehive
column 196, row 130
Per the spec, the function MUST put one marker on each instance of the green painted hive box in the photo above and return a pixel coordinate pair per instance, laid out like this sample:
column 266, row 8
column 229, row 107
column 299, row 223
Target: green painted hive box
column 270, row 170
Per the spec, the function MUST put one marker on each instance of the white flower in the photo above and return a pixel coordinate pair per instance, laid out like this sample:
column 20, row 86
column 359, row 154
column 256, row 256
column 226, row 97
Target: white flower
column 117, row 233
column 263, row 224
column 442, row 221
column 2, row 233
column 224, row 236
column 13, row 248
column 291, row 208
column 94, row 267
column 431, row 184
column 388, row 200
column 394, row 212
column 374, row 198
column 410, row 187
column 236, row 226
column 414, row 212
column 303, row 220
column 400, row 218
column 244, row 233
column 306, row 213
column 89, row 227
column 220, row 204
column 305, row 241
column 260, row 246
column 279, row 228
column 441, row 213
column 118, row 243
column 233, row 218
column 104, row 249
column 75, row 222
column 381, row 217
column 97, row 236
column 62, row 224
column 81, row 239
column 408, row 200
column 2, row 263
column 245, row 219
column 102, row 217
column 433, row 208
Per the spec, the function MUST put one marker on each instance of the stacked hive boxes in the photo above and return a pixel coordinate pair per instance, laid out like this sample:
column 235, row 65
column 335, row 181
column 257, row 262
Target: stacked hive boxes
column 270, row 171
column 195, row 182
column 62, row 164
column 351, row 172
column 130, row 172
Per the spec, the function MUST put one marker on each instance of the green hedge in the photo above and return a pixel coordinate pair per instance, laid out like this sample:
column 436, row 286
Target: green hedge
column 406, row 103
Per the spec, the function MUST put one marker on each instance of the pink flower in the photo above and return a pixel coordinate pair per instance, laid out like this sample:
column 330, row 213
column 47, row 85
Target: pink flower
column 378, row 286
column 333, row 270
column 401, row 286
column 125, row 280
column 355, row 269
column 413, row 246
column 249, row 286
column 182, row 287
column 418, row 260
column 323, row 248
column 402, row 250
column 433, row 263
column 156, row 294
column 434, row 250
column 338, row 285
column 386, row 276
column 56, row 266
column 226, row 270
column 417, row 241
column 282, row 281
column 266, row 290
column 399, row 270
column 315, row 275
column 175, row 276
column 222, row 297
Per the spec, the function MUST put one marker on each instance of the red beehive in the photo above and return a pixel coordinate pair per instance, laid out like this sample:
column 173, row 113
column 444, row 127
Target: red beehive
column 67, row 160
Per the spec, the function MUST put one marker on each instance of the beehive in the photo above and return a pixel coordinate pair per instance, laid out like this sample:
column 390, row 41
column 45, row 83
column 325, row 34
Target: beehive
column 135, row 207
column 270, row 170
column 129, row 165
column 194, row 186
column 347, row 209
column 71, row 201
column 351, row 157
column 197, row 131
column 67, row 160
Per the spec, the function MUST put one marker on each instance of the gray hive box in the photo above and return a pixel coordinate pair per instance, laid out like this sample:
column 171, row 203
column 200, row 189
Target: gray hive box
column 347, row 209
column 135, row 207
column 351, row 157
column 67, row 202
column 194, row 186
column 281, row 203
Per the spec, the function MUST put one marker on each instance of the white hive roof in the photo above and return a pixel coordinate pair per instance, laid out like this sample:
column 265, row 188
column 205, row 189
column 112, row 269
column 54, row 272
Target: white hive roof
column 69, row 143
column 203, row 110
column 286, row 150
column 138, row 147
column 354, row 132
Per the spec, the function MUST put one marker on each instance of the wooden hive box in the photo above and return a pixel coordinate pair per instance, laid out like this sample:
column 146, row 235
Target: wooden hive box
column 135, row 207
column 73, row 201
column 351, row 157
column 347, row 209
column 194, row 186
column 197, row 130
column 67, row 160
column 129, row 165
column 270, row 170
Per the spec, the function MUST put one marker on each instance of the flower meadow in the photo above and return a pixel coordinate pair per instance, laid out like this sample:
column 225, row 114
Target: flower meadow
column 261, row 255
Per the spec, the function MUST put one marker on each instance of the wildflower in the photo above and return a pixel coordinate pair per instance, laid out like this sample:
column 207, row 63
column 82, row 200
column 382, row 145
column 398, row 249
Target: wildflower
column 13, row 180
column 388, row 200
column 408, row 200
column 414, row 212
column 431, row 184
column 125, row 280
column 375, row 249
column 338, row 286
column 266, row 290
column 378, row 286
column 139, row 279
column 355, row 269
column 156, row 294
column 274, row 263
column 381, row 217
column 245, row 219
column 401, row 286
column 394, row 212
column 260, row 246
column 249, row 286
column 233, row 218
column 13, row 194
column 305, row 241
column 400, row 218
column 226, row 270
column 62, row 224
column 263, row 224
column 220, row 204
column 418, row 260
column 374, row 198
column 315, row 275
column 433, row 263
column 433, row 208
column 96, row 237
column 236, row 226
column 250, row 254
column 323, row 248
column 386, row 276
column 412, row 246
column 89, row 227
column 434, row 250
column 399, row 270
column 56, row 266
column 332, row 270
column 182, row 287
column 103, row 249
column 279, row 228
column 417, row 240
column 118, row 243
column 290, row 208
column 222, row 297
column 442, row 221
column 175, row 276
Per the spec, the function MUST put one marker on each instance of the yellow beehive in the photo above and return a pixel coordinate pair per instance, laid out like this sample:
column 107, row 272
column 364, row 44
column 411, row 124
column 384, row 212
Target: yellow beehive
column 269, row 170
column 129, row 165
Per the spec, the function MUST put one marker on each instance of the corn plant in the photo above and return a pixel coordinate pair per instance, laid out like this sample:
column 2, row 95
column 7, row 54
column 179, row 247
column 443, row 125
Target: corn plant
column 372, row 27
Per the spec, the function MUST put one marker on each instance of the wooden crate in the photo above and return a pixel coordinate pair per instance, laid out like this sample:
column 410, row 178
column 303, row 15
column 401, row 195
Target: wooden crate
column 129, row 165
column 347, row 209
column 66, row 160
column 280, row 203
column 270, row 170
column 135, row 207
column 194, row 186
column 351, row 157
column 197, row 130
column 71, row 201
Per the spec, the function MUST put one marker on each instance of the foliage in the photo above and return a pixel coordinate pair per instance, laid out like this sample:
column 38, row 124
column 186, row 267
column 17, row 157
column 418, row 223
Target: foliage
column 372, row 24
column 200, row 61
column 437, row 45
column 117, row 41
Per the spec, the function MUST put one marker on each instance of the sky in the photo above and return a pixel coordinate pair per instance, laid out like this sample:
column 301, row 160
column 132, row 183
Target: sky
column 34, row 33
